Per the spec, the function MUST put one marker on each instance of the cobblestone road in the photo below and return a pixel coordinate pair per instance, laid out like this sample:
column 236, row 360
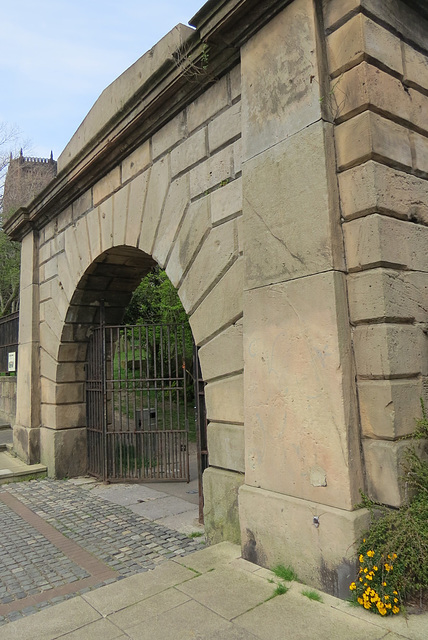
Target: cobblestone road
column 58, row 539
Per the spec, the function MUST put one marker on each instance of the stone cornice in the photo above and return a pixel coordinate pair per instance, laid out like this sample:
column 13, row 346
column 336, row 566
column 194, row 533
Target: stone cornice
column 225, row 26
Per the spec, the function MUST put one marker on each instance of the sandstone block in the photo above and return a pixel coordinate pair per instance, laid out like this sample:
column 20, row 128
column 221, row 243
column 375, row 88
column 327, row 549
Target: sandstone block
column 49, row 341
column 156, row 194
column 388, row 295
column 212, row 261
column 282, row 207
column 106, row 186
column 383, row 461
column 376, row 188
column 106, row 223
column 136, row 162
column 137, row 199
column 214, row 171
column 237, row 157
column 29, row 260
column 82, row 204
column 299, row 388
column 29, row 314
column 388, row 408
column 193, row 230
column 235, row 82
column 225, row 400
column 189, row 152
column 415, row 67
column 420, row 146
column 376, row 240
column 27, row 385
column 337, row 11
column 223, row 354
column 221, row 514
column 82, row 242
column 226, row 446
column 418, row 111
column 369, row 136
column 390, row 351
column 53, row 393
column 26, row 443
column 45, row 252
column 280, row 85
column 271, row 524
column 120, row 215
column 171, row 133
column 176, row 203
column 64, row 452
column 226, row 201
column 224, row 127
column 361, row 38
column 63, row 416
column 208, row 104
column 403, row 19
column 222, row 306
column 66, row 280
column 366, row 86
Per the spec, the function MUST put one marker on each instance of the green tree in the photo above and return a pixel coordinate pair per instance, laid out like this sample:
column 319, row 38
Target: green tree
column 10, row 260
column 10, row 252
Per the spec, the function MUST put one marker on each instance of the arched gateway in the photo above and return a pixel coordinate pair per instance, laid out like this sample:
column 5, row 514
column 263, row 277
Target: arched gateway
column 225, row 156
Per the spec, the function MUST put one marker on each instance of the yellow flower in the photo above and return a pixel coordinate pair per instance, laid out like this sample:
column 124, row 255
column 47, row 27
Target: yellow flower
column 370, row 554
column 394, row 592
column 394, row 555
column 360, row 579
column 388, row 567
column 383, row 584
column 361, row 558
column 395, row 609
column 369, row 577
column 360, row 601
column 374, row 568
column 352, row 586
column 365, row 570
column 386, row 597
column 395, row 600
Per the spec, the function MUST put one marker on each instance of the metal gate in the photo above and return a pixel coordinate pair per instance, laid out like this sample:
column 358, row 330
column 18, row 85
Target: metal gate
column 136, row 403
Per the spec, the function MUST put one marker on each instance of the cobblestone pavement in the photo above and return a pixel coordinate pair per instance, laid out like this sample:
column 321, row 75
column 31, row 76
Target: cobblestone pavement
column 58, row 540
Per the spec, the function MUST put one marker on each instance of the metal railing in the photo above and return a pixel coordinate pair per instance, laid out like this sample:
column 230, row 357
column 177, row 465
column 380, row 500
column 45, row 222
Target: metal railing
column 9, row 344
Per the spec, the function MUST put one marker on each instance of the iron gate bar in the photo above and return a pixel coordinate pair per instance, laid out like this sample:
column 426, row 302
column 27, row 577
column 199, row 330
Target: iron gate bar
column 137, row 376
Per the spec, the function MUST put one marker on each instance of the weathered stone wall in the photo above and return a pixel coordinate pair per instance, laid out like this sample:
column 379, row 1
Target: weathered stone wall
column 293, row 222
column 378, row 65
column 7, row 399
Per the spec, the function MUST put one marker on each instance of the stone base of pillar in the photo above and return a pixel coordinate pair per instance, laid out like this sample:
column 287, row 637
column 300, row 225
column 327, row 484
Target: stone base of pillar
column 26, row 443
column 221, row 514
column 317, row 541
column 64, row 452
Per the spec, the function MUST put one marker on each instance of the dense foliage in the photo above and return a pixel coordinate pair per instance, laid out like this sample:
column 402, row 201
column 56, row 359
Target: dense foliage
column 394, row 552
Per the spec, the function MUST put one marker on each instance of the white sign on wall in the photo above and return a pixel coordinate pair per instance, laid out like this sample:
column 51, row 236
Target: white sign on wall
column 11, row 361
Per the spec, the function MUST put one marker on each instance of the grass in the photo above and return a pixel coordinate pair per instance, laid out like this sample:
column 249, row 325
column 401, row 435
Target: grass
column 195, row 534
column 285, row 573
column 312, row 595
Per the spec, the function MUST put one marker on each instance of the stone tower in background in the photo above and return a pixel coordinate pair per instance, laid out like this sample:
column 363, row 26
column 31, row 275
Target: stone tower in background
column 25, row 178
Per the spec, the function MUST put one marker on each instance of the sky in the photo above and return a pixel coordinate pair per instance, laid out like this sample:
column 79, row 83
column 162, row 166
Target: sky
column 59, row 55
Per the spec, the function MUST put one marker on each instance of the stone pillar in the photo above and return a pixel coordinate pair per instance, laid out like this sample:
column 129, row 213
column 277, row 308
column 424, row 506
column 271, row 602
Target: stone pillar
column 302, row 458
column 378, row 67
column 26, row 430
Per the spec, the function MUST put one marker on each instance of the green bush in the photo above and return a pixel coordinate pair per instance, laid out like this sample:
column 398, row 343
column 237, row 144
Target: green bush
column 393, row 555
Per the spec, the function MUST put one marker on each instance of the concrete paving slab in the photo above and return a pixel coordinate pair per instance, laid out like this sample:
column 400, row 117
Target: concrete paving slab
column 154, row 606
column 227, row 591
column 189, row 620
column 186, row 522
column 211, row 557
column 161, row 508
column 233, row 633
column 125, row 494
column 304, row 619
column 117, row 596
column 52, row 622
column 98, row 630
column 13, row 469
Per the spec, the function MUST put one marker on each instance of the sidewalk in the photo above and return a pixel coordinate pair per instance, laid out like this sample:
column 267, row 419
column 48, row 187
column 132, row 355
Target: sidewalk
column 211, row 594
